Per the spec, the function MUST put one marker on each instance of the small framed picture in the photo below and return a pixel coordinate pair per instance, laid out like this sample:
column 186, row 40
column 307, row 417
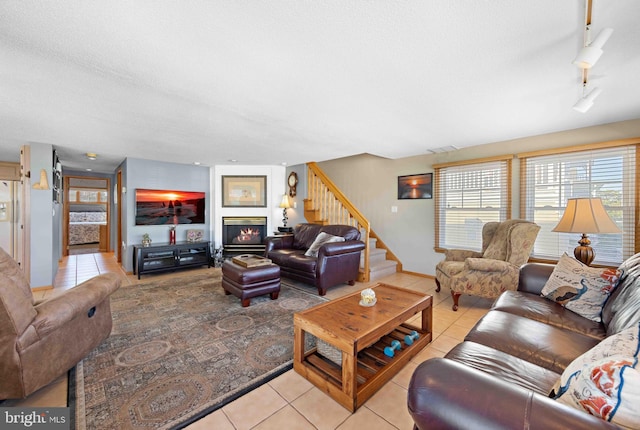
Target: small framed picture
column 415, row 186
column 244, row 191
column 194, row 235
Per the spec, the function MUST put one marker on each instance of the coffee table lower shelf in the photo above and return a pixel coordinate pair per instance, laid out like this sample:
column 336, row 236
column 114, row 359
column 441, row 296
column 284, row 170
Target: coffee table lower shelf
column 373, row 367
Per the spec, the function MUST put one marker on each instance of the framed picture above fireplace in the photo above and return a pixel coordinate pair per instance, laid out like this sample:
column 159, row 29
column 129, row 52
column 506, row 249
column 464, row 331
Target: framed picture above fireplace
column 244, row 191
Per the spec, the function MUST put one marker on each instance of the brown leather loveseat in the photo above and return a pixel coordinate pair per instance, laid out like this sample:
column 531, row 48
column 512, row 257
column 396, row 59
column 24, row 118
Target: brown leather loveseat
column 503, row 373
column 336, row 262
column 41, row 341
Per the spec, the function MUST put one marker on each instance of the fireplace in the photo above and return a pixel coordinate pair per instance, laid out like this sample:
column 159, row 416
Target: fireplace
column 243, row 235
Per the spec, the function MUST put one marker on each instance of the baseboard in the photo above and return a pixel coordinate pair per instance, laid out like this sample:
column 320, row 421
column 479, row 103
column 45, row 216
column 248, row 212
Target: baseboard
column 421, row 275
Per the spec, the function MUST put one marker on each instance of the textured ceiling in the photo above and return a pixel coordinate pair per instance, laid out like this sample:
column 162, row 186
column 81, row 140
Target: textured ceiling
column 271, row 82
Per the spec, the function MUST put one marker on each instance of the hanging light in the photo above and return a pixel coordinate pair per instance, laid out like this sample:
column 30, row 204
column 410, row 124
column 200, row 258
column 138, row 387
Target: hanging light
column 585, row 103
column 589, row 55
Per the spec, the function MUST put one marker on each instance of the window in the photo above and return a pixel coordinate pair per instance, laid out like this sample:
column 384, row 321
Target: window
column 548, row 180
column 84, row 195
column 468, row 195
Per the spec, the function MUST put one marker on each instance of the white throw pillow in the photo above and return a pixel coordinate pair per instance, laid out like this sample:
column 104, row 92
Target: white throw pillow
column 605, row 381
column 580, row 288
column 320, row 240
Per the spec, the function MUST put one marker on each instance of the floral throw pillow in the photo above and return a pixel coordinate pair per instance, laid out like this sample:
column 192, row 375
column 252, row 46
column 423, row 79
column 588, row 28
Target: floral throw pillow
column 580, row 288
column 605, row 381
column 320, row 240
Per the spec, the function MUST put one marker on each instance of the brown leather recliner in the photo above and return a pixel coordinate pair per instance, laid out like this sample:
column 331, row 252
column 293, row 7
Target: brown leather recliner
column 41, row 341
column 336, row 262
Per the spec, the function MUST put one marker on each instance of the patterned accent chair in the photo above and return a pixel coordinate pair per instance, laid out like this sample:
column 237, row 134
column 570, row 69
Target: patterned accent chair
column 505, row 248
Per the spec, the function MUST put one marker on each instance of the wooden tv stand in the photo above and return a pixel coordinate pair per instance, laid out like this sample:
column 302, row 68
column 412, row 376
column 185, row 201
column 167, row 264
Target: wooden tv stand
column 360, row 333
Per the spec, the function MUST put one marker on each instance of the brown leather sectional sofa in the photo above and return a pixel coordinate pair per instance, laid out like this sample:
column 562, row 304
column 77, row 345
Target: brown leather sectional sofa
column 336, row 263
column 502, row 374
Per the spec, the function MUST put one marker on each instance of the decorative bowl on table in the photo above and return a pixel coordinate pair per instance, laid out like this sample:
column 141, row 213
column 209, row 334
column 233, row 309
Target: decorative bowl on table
column 367, row 297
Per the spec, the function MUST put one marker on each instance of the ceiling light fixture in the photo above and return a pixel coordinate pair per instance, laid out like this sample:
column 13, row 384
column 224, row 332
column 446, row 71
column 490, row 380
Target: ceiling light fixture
column 591, row 52
column 91, row 155
column 586, row 102
column 587, row 57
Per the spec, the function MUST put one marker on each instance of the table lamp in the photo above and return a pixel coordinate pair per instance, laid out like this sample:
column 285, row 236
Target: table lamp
column 285, row 204
column 585, row 215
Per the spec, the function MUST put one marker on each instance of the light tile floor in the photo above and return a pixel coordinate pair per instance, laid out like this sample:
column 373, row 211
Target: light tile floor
column 290, row 401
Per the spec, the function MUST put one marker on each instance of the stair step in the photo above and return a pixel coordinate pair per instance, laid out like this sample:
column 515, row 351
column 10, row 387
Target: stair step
column 382, row 269
column 375, row 255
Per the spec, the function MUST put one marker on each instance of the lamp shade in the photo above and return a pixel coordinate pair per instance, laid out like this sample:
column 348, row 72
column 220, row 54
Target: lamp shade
column 285, row 203
column 586, row 215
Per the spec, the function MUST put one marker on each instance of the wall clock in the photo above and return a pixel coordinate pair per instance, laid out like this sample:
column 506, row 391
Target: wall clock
column 293, row 182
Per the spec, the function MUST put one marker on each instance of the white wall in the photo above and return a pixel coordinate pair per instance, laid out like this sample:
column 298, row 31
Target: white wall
column 275, row 189
column 370, row 182
column 44, row 251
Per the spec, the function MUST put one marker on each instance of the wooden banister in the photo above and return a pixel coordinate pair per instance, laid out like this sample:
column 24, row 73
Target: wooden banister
column 331, row 206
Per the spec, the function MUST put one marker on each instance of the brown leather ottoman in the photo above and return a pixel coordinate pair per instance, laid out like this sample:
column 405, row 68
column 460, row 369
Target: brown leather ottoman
column 247, row 282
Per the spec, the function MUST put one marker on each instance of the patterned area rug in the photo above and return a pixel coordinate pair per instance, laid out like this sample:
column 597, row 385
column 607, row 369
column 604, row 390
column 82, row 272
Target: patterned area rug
column 180, row 349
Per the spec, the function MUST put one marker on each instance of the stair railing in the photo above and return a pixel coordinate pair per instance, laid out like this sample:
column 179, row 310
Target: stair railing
column 333, row 207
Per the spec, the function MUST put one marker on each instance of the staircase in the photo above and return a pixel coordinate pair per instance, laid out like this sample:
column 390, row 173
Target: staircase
column 381, row 261
column 325, row 204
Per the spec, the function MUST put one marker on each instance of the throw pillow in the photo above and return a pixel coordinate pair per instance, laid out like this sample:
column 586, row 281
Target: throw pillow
column 605, row 381
column 320, row 240
column 580, row 288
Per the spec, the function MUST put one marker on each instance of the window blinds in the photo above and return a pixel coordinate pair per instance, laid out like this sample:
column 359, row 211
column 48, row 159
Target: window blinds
column 467, row 197
column 608, row 173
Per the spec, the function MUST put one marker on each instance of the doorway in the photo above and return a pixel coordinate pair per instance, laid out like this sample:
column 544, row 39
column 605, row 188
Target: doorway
column 86, row 215
column 10, row 199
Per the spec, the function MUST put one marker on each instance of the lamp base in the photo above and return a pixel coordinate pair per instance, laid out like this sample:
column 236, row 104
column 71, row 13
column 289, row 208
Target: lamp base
column 584, row 252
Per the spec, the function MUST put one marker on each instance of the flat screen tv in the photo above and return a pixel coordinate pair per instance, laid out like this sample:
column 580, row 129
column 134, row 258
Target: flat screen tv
column 159, row 207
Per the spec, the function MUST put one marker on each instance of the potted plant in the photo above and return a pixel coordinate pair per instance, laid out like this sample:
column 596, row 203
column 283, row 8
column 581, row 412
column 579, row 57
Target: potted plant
column 146, row 239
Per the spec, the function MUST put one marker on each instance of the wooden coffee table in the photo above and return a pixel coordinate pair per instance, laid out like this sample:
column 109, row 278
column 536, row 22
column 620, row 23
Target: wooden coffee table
column 360, row 333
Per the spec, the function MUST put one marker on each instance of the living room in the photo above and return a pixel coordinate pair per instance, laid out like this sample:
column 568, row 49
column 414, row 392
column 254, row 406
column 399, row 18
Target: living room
column 353, row 136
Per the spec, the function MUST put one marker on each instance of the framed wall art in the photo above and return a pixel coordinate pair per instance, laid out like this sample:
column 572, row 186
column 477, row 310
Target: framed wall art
column 415, row 186
column 194, row 235
column 244, row 191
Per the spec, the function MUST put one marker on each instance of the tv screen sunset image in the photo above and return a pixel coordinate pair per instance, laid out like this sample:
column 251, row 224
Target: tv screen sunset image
column 159, row 207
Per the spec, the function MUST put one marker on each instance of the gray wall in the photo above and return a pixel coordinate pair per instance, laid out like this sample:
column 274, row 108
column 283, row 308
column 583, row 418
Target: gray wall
column 370, row 182
column 149, row 174
column 45, row 244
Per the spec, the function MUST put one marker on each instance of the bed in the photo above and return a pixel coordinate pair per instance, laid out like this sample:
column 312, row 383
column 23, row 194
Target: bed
column 84, row 226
